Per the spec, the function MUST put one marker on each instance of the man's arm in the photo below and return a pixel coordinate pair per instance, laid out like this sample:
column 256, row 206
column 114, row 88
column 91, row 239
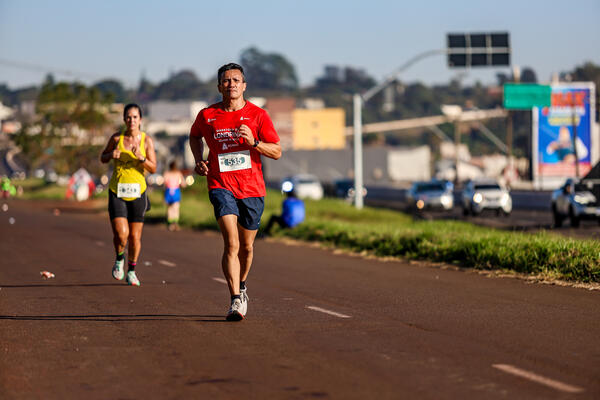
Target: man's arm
column 197, row 148
column 271, row 150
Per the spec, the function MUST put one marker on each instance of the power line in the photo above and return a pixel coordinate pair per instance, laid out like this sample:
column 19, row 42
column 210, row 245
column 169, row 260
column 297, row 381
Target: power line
column 47, row 69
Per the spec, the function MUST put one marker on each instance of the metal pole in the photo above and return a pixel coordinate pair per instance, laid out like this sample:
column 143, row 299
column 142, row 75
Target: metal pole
column 358, row 101
column 358, row 156
column 456, row 148
column 574, row 138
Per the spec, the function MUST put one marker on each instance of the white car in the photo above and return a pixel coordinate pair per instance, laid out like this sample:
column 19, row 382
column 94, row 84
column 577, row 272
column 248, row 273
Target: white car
column 481, row 195
column 305, row 186
column 576, row 201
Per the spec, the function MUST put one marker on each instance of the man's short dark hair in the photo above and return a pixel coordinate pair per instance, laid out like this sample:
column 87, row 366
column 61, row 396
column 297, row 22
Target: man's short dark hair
column 228, row 67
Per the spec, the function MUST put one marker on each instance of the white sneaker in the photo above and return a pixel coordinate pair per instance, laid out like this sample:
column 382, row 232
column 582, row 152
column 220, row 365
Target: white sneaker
column 132, row 279
column 236, row 311
column 118, row 272
column 244, row 298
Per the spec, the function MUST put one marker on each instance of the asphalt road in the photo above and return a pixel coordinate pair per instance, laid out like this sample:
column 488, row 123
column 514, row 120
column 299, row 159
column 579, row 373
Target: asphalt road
column 321, row 324
column 521, row 219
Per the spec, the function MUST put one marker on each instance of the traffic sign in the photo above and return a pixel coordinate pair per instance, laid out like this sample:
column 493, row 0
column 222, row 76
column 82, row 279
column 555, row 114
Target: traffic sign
column 478, row 49
column 525, row 96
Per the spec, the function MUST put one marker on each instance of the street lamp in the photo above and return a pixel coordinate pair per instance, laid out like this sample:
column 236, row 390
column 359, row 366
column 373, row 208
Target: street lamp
column 358, row 100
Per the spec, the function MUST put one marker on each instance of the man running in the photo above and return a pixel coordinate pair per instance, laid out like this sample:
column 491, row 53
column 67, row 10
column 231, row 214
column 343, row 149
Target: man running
column 237, row 133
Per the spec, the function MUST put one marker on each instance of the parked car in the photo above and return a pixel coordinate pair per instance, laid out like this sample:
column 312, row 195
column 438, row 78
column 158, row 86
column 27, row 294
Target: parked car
column 576, row 201
column 304, row 185
column 344, row 188
column 430, row 195
column 478, row 196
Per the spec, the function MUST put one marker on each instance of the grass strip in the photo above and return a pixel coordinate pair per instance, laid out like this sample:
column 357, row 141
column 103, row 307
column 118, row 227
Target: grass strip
column 390, row 233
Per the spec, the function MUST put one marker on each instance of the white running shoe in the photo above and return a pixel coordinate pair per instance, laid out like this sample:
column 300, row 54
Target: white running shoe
column 236, row 311
column 118, row 272
column 244, row 298
column 244, row 293
column 132, row 279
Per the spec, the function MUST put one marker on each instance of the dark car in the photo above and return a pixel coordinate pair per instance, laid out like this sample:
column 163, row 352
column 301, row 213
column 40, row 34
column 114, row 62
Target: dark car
column 576, row 201
column 344, row 188
column 430, row 195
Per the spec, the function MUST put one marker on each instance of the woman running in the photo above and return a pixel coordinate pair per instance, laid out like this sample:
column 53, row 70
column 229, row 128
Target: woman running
column 173, row 181
column 133, row 154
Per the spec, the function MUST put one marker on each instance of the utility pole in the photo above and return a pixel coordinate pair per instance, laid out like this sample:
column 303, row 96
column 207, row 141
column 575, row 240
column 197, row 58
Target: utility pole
column 574, row 138
column 358, row 158
column 358, row 100
column 456, row 150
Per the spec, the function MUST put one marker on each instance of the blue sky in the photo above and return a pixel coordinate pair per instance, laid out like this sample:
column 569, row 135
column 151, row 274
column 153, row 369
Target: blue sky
column 123, row 39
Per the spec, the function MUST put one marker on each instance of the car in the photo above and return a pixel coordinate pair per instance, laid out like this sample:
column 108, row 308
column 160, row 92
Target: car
column 576, row 201
column 344, row 188
column 305, row 186
column 480, row 195
column 430, row 195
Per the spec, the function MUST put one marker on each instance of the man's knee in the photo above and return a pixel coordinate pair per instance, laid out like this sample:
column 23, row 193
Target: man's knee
column 232, row 246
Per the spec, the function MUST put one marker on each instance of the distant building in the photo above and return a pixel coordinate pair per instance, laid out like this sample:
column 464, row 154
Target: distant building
column 318, row 129
column 163, row 110
column 280, row 110
column 171, row 117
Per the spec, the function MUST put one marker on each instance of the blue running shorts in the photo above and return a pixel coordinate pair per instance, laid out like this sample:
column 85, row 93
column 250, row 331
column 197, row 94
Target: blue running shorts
column 248, row 210
column 172, row 195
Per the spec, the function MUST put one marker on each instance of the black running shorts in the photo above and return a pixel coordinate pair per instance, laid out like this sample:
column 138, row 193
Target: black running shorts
column 133, row 210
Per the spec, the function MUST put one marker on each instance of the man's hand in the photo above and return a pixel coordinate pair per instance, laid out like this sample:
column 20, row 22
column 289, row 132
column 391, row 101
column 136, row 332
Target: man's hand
column 116, row 154
column 201, row 168
column 246, row 134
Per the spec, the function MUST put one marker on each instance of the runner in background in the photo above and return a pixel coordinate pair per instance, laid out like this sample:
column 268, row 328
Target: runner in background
column 173, row 182
column 237, row 134
column 133, row 154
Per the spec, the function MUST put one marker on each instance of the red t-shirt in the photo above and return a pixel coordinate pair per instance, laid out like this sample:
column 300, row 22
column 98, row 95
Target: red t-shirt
column 229, row 165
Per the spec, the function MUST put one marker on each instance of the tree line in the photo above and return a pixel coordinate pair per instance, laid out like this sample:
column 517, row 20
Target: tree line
column 62, row 106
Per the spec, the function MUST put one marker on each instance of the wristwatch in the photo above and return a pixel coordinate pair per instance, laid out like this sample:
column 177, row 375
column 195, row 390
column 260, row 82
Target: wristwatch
column 256, row 143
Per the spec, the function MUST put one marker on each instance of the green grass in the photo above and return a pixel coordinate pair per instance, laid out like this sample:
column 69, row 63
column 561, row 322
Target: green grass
column 38, row 189
column 389, row 233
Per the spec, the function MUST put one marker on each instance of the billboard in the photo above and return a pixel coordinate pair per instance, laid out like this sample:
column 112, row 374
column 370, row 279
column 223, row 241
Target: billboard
column 563, row 135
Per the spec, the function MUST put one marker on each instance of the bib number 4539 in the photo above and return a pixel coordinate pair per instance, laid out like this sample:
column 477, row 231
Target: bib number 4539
column 129, row 190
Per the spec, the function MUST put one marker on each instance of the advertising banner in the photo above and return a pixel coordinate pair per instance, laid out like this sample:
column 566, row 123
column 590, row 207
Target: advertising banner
column 562, row 132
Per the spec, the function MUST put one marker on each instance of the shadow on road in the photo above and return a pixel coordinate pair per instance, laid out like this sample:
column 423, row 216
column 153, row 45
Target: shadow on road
column 47, row 285
column 117, row 317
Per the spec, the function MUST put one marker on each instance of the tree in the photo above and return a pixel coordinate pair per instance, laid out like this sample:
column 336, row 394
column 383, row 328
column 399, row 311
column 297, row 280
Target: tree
column 268, row 71
column 69, row 128
column 589, row 72
column 183, row 85
column 112, row 87
column 528, row 75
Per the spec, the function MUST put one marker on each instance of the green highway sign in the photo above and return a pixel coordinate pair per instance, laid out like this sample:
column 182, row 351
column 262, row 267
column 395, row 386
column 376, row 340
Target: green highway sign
column 524, row 96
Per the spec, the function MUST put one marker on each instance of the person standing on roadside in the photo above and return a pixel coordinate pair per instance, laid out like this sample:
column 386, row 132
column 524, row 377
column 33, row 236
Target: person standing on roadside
column 133, row 154
column 237, row 134
column 173, row 182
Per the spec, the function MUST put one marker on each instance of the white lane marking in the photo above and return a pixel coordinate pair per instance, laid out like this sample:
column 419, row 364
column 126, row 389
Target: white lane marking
column 563, row 387
column 335, row 314
column 220, row 280
column 167, row 263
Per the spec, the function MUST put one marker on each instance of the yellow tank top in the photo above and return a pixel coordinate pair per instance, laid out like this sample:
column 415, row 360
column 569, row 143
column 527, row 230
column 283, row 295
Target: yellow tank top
column 127, row 168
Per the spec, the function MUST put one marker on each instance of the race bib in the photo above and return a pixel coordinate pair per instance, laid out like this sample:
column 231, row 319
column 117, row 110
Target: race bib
column 129, row 190
column 235, row 161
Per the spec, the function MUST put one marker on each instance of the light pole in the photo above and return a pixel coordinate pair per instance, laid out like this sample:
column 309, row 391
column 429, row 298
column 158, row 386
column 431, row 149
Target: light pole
column 358, row 100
